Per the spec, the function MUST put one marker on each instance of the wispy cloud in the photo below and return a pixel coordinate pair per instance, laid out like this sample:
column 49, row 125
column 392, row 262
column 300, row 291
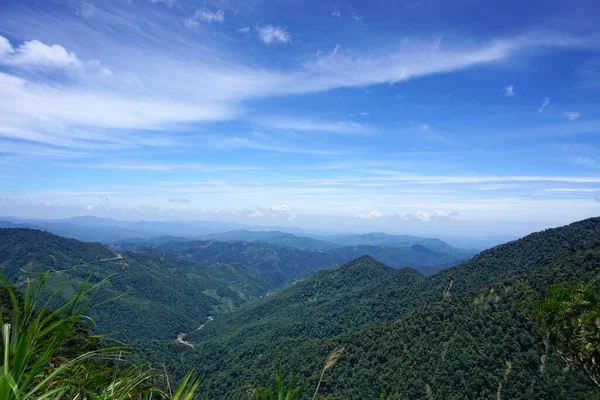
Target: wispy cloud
column 260, row 142
column 356, row 17
column 509, row 91
column 424, row 215
column 544, row 105
column 205, row 16
column 571, row 115
column 373, row 214
column 269, row 34
column 179, row 200
column 297, row 124
column 336, row 12
column 588, row 75
column 280, row 208
column 244, row 29
column 586, row 162
column 87, row 10
column 157, row 166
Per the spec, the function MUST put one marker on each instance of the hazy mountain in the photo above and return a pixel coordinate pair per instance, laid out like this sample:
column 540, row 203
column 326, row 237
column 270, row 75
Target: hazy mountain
column 384, row 239
column 273, row 237
column 107, row 230
column 289, row 263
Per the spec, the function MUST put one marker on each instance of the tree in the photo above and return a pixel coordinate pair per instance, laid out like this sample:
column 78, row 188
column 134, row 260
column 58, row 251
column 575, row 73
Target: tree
column 567, row 317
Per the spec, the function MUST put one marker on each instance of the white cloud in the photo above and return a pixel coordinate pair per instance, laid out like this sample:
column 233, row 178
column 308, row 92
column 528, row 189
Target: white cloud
column 571, row 115
column 336, row 12
column 544, row 104
column 277, row 208
column 356, row 17
column 5, row 47
column 509, row 91
column 373, row 214
column 179, row 200
column 424, row 215
column 155, row 89
column 253, row 211
column 205, row 16
column 36, row 53
column 244, row 29
column 273, row 34
column 89, row 207
column 335, row 50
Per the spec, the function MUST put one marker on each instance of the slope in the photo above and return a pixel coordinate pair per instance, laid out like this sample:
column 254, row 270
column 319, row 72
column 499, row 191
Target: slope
column 153, row 297
column 288, row 263
column 298, row 326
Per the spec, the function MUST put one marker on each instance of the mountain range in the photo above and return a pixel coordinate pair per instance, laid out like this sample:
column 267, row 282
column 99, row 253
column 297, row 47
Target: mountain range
column 108, row 230
column 238, row 310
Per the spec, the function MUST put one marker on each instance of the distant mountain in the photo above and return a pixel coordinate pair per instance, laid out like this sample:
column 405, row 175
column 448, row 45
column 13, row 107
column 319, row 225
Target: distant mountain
column 456, row 334
column 154, row 297
column 289, row 263
column 273, row 237
column 478, row 243
column 384, row 239
column 108, row 230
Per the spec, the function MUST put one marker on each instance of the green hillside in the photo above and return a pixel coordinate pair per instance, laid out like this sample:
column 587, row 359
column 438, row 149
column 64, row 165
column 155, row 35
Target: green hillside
column 153, row 297
column 288, row 263
column 452, row 334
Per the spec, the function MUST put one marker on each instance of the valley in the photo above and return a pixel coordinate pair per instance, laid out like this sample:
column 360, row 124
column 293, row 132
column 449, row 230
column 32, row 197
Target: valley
column 238, row 310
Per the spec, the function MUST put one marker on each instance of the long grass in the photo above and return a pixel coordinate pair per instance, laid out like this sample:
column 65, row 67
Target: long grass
column 33, row 367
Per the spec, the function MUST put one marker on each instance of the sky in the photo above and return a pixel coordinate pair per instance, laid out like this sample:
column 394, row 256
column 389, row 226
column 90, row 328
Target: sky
column 471, row 117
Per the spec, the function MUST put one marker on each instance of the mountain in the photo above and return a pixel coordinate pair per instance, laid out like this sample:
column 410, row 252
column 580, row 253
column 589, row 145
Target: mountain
column 478, row 243
column 273, row 237
column 384, row 239
column 154, row 297
column 289, row 263
column 456, row 334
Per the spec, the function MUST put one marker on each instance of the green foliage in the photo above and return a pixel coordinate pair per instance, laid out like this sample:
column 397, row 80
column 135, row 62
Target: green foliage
column 285, row 264
column 456, row 334
column 278, row 390
column 150, row 297
column 42, row 356
column 567, row 317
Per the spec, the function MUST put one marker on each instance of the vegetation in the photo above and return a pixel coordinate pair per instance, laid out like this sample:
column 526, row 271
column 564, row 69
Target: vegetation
column 47, row 353
column 457, row 334
column 567, row 317
column 286, row 264
column 460, row 333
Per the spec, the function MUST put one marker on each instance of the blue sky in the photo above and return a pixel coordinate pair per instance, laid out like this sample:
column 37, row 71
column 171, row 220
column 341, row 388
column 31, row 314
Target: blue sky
column 476, row 117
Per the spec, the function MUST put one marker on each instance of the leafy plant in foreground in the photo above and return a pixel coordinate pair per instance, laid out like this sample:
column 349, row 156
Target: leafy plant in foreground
column 567, row 317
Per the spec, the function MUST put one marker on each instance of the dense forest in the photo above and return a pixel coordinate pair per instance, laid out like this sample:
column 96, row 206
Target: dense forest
column 396, row 324
column 288, row 263
column 464, row 332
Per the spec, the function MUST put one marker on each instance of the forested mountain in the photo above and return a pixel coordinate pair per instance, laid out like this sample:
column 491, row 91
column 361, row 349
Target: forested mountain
column 460, row 333
column 384, row 239
column 289, row 263
column 456, row 334
column 153, row 297
column 273, row 237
